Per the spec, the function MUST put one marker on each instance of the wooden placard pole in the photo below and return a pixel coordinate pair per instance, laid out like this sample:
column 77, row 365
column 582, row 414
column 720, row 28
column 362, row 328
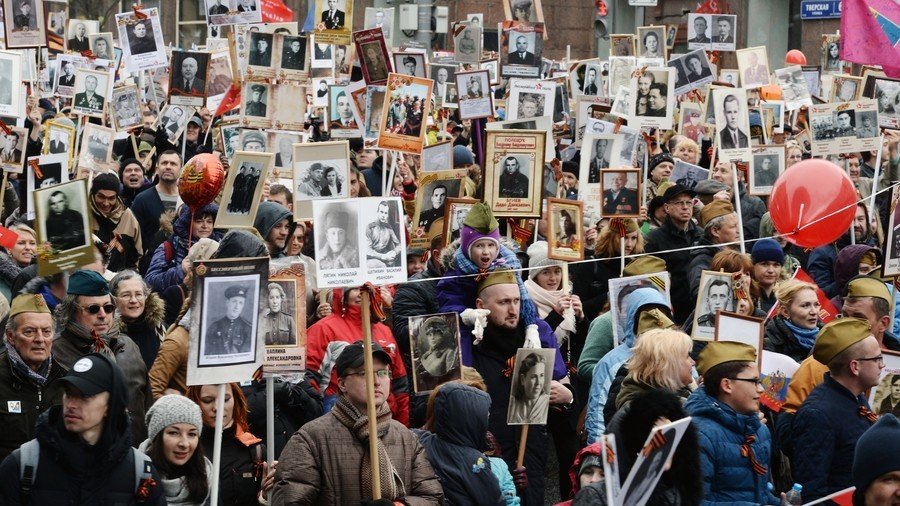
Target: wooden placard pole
column 217, row 447
column 3, row 190
column 523, row 438
column 370, row 395
column 622, row 256
column 737, row 205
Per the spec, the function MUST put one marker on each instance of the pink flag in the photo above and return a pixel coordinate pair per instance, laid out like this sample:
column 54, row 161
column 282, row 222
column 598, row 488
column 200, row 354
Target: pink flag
column 870, row 33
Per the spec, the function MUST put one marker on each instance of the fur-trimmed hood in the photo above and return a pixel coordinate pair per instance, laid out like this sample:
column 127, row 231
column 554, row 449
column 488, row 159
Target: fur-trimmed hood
column 153, row 317
column 9, row 270
column 446, row 259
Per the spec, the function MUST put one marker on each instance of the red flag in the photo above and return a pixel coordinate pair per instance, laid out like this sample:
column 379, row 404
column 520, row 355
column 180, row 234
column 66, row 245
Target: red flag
column 827, row 311
column 8, row 238
column 274, row 11
column 231, row 100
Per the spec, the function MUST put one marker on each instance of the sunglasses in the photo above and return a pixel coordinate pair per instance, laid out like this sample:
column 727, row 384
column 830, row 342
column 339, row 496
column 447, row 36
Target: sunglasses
column 108, row 308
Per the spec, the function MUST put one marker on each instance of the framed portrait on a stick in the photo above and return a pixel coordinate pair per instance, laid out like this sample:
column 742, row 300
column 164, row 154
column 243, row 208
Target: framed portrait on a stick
column 886, row 92
column 227, row 297
column 142, row 40
column 455, row 213
column 293, row 57
column 256, row 110
column 732, row 123
column 58, row 139
column 529, row 399
column 290, row 106
column 475, row 97
column 767, row 166
column 435, row 351
column 63, row 223
column 565, row 236
column 406, row 105
column 431, row 198
column 282, row 322
column 513, row 173
column 11, row 83
column 96, row 147
column 24, row 23
column 188, row 76
column 243, row 189
column 44, row 171
column 125, row 108
column 892, row 242
column 650, row 463
column 716, row 294
column 620, row 189
column 12, row 149
column 885, row 397
column 91, row 89
column 621, row 288
column 845, row 127
column 657, row 110
column 374, row 58
column 753, row 65
column 333, row 21
column 321, row 171
column 738, row 328
column 521, row 49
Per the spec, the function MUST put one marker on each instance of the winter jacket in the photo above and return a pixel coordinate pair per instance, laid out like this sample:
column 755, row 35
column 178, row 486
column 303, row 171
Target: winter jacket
column 70, row 345
column 148, row 330
column 321, row 466
column 846, row 267
column 296, row 404
column 460, row 424
column 148, row 208
column 701, row 258
column 165, row 266
column 119, row 224
column 268, row 215
column 668, row 237
column 9, row 271
column 175, row 488
column 128, row 195
column 239, row 468
column 728, row 476
column 752, row 211
column 74, row 473
column 169, row 370
column 824, row 434
column 590, row 281
column 780, row 339
column 507, row 485
column 325, row 340
column 589, row 450
column 19, row 422
column 609, row 365
column 597, row 344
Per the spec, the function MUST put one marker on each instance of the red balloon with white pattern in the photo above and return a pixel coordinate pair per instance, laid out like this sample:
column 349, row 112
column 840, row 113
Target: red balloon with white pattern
column 201, row 179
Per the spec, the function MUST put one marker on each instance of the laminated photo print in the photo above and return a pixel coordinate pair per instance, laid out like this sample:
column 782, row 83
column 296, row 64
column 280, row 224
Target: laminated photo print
column 732, row 123
column 529, row 398
column 475, row 97
column 521, row 49
column 96, row 147
column 63, row 224
column 382, row 18
column 578, row 73
column 655, row 107
column 24, row 23
column 321, row 171
column 188, row 77
column 125, row 108
column 530, row 99
column 599, row 151
column 467, row 40
column 256, row 110
column 767, row 165
column 12, row 150
column 293, row 57
column 514, row 172
column 59, row 139
column 753, row 64
column 716, row 294
column 343, row 120
column 282, row 319
column 435, row 351
column 243, row 189
column 693, row 71
column 845, row 127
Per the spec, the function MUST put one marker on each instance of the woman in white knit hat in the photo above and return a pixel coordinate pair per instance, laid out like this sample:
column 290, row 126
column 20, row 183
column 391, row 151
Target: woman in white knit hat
column 173, row 428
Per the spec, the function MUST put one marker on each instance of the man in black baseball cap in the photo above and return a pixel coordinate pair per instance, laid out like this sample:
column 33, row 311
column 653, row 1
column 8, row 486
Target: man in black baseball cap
column 678, row 231
column 84, row 446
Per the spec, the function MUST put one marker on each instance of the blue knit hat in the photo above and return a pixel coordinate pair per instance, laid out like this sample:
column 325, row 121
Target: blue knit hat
column 877, row 453
column 767, row 250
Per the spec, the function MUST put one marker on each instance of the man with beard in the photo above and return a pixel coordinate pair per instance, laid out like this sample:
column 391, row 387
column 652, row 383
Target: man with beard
column 339, row 252
column 513, row 184
column 384, row 244
column 230, row 334
column 438, row 198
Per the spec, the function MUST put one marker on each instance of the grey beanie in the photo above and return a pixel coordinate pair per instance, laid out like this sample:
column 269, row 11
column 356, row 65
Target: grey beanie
column 171, row 409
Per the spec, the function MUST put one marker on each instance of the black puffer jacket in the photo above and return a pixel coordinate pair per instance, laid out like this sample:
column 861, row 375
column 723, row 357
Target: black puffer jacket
column 295, row 405
column 667, row 237
column 780, row 339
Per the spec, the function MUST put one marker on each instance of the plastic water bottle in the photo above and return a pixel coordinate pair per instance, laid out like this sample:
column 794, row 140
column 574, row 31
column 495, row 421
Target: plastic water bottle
column 793, row 496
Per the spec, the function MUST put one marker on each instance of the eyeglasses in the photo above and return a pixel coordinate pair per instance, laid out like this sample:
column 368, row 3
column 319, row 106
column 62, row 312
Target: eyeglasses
column 755, row 381
column 682, row 203
column 129, row 296
column 879, row 359
column 108, row 308
column 381, row 373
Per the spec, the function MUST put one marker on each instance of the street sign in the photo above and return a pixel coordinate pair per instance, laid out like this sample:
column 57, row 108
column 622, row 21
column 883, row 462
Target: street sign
column 820, row 9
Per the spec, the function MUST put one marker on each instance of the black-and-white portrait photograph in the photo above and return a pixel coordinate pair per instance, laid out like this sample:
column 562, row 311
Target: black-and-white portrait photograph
column 513, row 181
column 523, row 11
column 261, row 48
column 845, row 88
column 697, row 71
column 321, row 179
column 768, row 164
column 813, row 76
column 336, row 239
column 529, row 399
column 475, row 98
column 228, row 12
column 753, row 65
column 142, row 40
column 383, row 246
column 652, row 41
column 10, row 83
column 431, row 202
column 840, row 127
column 698, row 31
column 374, row 109
column 529, row 105
column 476, row 19
column 277, row 323
column 246, row 179
column 621, row 45
column 885, row 397
column 688, row 174
column 730, row 76
column 90, row 92
column 58, row 138
column 592, row 84
column 454, row 217
column 723, row 32
column 887, row 93
column 732, row 122
column 716, row 294
column 12, row 149
column 173, row 119
column 671, row 34
column 654, row 98
column 411, row 64
column 78, row 32
column 620, row 69
column 380, row 17
column 793, row 87
column 321, row 55
column 442, row 75
column 293, row 52
column 437, row 157
column 283, row 145
column 647, row 470
column 188, row 78
column 434, row 341
column 96, row 147
column 219, row 79
column 343, row 121
column 125, row 108
column 62, row 216
column 521, row 50
column 374, row 62
column 597, row 153
column 101, row 44
column 332, row 13
column 230, row 320
column 231, row 139
column 65, row 75
column 24, row 23
column 467, row 41
column 243, row 189
column 451, row 96
column 620, row 190
column 253, row 140
column 256, row 101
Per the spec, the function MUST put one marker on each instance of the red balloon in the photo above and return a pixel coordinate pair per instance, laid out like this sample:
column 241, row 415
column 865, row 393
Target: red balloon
column 813, row 203
column 201, row 179
column 796, row 57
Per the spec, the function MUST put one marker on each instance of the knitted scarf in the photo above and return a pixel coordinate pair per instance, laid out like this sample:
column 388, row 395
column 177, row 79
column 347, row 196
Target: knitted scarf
column 505, row 260
column 545, row 300
column 358, row 423
column 21, row 368
column 804, row 337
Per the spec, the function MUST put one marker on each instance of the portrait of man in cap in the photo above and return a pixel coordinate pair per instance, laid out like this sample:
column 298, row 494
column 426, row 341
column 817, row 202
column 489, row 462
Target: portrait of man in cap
column 232, row 333
column 261, row 49
column 436, row 351
column 339, row 250
column 256, row 104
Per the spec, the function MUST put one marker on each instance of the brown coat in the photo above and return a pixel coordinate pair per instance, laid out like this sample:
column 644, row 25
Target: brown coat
column 170, row 367
column 321, row 463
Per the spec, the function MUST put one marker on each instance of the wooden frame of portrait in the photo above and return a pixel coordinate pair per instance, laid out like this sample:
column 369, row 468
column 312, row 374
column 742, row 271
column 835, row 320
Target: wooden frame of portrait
column 604, row 188
column 624, row 41
column 450, row 208
column 402, row 86
column 49, row 260
column 117, row 92
column 95, row 161
column 420, row 237
column 451, row 321
column 738, row 328
column 707, row 332
column 559, row 249
column 528, row 145
column 834, row 96
column 54, row 126
column 226, row 218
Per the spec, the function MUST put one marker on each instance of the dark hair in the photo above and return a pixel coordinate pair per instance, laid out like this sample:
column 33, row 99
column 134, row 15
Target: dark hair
column 895, row 378
column 280, row 189
column 193, row 471
column 528, row 363
column 439, row 187
column 663, row 89
column 712, row 380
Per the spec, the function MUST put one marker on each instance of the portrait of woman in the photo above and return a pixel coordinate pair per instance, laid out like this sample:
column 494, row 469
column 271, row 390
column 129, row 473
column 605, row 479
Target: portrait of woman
column 567, row 233
column 522, row 11
column 473, row 88
column 277, row 324
column 651, row 45
column 437, row 354
column 102, row 49
column 832, row 52
column 333, row 185
column 530, row 391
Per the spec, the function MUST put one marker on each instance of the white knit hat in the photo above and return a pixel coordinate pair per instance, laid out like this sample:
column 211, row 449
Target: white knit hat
column 537, row 258
column 172, row 409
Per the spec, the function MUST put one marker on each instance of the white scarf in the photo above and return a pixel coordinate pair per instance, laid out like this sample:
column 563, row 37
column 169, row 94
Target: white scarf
column 545, row 300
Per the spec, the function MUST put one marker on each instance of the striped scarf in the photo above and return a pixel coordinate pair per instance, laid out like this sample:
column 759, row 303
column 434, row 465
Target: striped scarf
column 505, row 260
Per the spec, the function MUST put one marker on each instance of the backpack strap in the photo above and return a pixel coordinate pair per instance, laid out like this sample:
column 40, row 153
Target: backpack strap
column 29, row 454
column 142, row 467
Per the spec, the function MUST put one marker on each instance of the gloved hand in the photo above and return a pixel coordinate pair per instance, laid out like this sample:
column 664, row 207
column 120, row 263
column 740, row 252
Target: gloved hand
column 520, row 478
column 532, row 338
column 477, row 319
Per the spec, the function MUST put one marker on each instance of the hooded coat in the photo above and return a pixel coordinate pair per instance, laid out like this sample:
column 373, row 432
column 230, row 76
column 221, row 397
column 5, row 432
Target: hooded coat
column 9, row 271
column 846, row 266
column 593, row 449
column 460, row 424
column 325, row 340
column 821, row 265
column 728, row 476
column 120, row 224
column 73, row 472
column 165, row 267
column 606, row 369
column 268, row 215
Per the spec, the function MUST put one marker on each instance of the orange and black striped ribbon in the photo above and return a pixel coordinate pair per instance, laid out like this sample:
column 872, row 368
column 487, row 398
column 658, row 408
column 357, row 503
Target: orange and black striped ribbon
column 482, row 275
column 137, row 11
column 87, row 53
column 510, row 364
column 747, row 451
column 610, row 455
column 868, row 414
column 618, row 225
column 659, row 439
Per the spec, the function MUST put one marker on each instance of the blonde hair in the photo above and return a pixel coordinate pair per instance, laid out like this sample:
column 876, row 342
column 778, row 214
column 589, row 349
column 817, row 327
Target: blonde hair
column 657, row 356
column 21, row 227
column 609, row 242
column 787, row 291
column 687, row 142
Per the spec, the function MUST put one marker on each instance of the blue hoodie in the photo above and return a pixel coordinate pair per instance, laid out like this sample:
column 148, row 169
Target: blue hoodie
column 728, row 477
column 606, row 369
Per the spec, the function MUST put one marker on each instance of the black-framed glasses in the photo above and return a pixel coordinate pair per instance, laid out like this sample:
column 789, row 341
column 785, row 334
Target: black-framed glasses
column 108, row 308
column 879, row 359
column 755, row 381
